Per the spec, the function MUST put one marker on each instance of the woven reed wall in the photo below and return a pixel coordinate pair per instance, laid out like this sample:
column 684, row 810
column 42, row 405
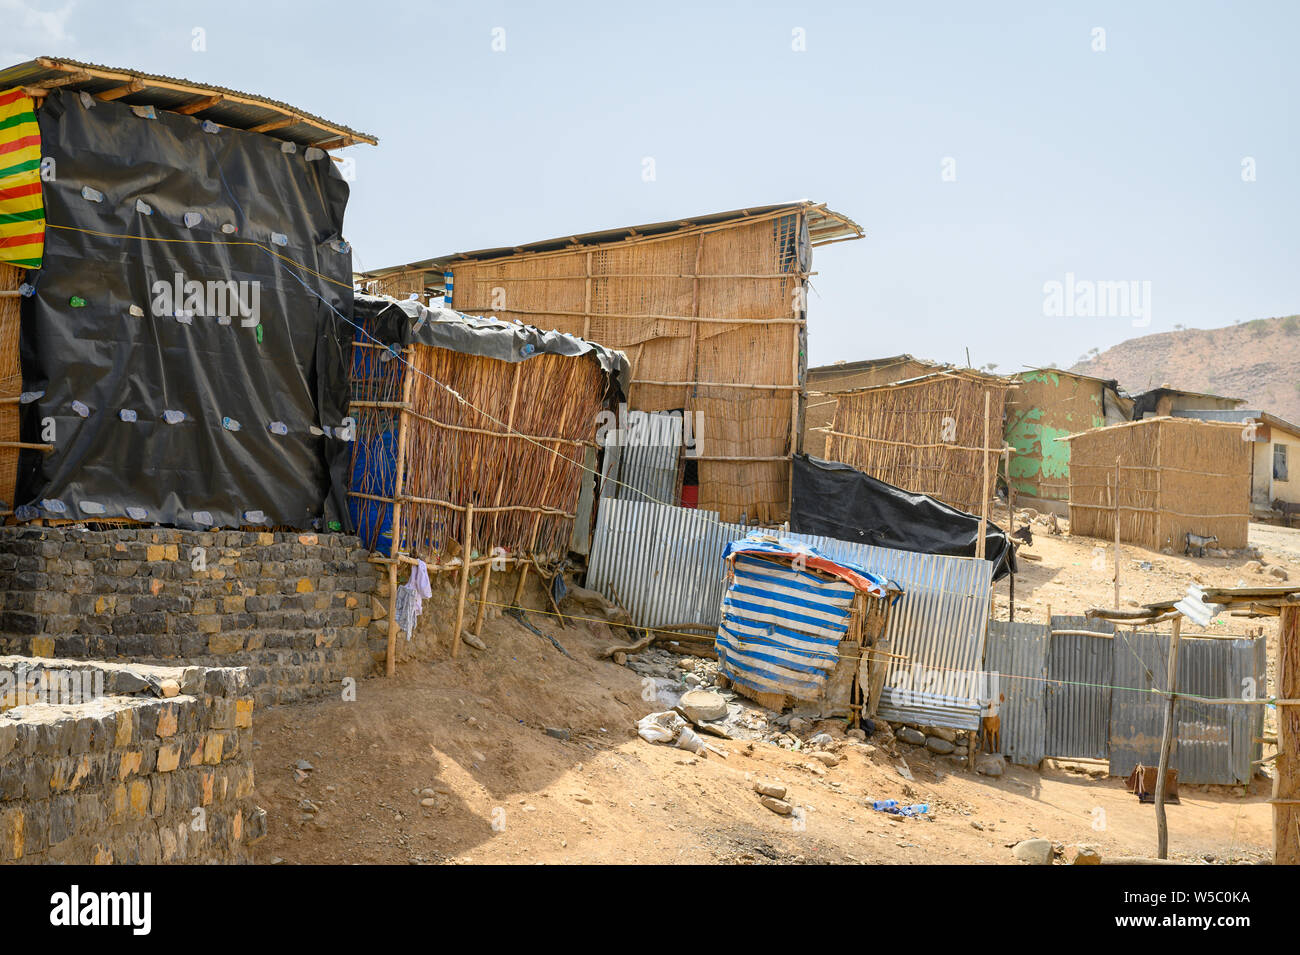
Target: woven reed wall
column 643, row 296
column 923, row 436
column 458, row 455
column 11, row 382
column 819, row 411
column 1177, row 476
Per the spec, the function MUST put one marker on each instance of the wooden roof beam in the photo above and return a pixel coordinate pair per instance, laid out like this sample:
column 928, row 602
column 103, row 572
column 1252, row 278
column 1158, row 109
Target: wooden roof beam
column 198, row 105
column 274, row 124
column 117, row 92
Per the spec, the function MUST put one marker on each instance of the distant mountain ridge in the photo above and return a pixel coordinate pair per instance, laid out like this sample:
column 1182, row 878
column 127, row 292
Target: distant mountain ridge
column 1257, row 360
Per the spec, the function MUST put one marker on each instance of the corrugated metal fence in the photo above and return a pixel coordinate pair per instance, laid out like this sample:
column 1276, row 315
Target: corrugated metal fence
column 664, row 565
column 1096, row 698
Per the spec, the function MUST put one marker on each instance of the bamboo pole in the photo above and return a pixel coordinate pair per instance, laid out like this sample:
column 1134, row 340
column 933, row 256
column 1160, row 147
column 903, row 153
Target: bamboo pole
column 467, row 544
column 1116, row 532
column 1286, row 778
column 403, row 427
column 984, row 485
column 1166, row 743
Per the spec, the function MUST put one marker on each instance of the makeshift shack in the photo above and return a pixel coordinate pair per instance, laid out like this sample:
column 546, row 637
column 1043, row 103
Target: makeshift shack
column 795, row 624
column 1046, row 405
column 1165, row 401
column 825, row 380
column 472, row 439
column 712, row 314
column 177, row 267
column 1176, row 476
column 940, row 434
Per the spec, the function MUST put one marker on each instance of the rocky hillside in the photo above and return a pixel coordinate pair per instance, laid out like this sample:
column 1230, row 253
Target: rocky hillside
column 1257, row 360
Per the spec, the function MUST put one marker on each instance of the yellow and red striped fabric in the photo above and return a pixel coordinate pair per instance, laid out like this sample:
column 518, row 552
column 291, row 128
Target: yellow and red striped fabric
column 22, row 214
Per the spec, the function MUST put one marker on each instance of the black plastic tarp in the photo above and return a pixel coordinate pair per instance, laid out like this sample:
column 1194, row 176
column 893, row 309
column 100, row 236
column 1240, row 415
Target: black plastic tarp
column 187, row 329
column 834, row 500
column 402, row 322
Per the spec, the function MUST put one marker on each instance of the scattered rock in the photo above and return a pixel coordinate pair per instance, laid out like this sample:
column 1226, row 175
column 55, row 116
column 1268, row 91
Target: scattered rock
column 821, row 739
column 937, row 745
column 701, row 705
column 303, row 766
column 991, row 764
column 472, row 640
column 775, row 790
column 800, row 725
column 943, row 732
column 556, row 732
column 1034, row 851
column 1275, row 571
column 856, row 734
column 1081, row 855
column 778, row 806
column 1254, row 566
column 429, row 802
column 169, row 688
column 905, row 771
column 829, row 759
column 911, row 736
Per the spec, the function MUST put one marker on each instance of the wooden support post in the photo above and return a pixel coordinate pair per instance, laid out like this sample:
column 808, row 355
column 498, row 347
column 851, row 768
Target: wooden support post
column 1011, row 526
column 482, row 601
column 399, row 478
column 984, row 487
column 1166, row 743
column 390, row 659
column 1117, row 532
column 1286, row 778
column 467, row 549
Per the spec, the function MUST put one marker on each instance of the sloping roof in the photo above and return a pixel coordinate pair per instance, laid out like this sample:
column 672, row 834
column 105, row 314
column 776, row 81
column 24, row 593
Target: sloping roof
column 871, row 364
column 216, row 103
column 1238, row 415
column 824, row 227
column 966, row 374
column 1144, row 423
column 1111, row 383
column 1165, row 390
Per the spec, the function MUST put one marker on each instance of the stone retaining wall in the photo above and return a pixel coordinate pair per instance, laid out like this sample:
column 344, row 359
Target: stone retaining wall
column 148, row 765
column 293, row 608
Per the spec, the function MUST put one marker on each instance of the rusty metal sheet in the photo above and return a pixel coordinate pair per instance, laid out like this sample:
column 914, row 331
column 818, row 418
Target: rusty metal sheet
column 1213, row 743
column 1078, row 696
column 1017, row 654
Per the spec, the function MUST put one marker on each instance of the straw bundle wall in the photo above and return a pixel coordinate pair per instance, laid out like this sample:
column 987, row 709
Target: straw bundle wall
column 923, row 436
column 819, row 411
column 667, row 303
column 456, row 455
column 11, row 382
column 1177, row 476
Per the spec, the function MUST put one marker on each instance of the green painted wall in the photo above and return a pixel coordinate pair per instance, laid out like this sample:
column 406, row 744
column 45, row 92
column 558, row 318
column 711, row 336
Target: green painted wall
column 1046, row 407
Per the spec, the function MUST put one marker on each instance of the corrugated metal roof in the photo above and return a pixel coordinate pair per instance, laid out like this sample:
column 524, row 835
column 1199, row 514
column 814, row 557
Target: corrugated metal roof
column 234, row 108
column 824, row 225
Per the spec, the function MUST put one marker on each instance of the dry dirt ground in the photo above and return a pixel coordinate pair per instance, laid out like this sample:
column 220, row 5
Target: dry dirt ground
column 468, row 737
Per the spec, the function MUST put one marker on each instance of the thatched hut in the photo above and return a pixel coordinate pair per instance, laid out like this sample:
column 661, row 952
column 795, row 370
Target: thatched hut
column 940, row 434
column 710, row 310
column 1176, row 476
column 825, row 380
column 472, row 437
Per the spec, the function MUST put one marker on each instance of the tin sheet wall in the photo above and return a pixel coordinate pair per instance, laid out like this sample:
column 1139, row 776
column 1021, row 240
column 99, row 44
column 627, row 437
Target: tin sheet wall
column 664, row 565
column 1017, row 654
column 1213, row 743
column 1078, row 689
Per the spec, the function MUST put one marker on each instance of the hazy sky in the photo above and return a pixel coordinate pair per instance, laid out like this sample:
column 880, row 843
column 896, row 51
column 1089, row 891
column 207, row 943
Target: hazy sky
column 987, row 148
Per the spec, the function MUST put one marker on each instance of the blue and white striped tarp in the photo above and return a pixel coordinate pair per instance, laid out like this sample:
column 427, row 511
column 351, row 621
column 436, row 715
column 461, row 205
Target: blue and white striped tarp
column 781, row 627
